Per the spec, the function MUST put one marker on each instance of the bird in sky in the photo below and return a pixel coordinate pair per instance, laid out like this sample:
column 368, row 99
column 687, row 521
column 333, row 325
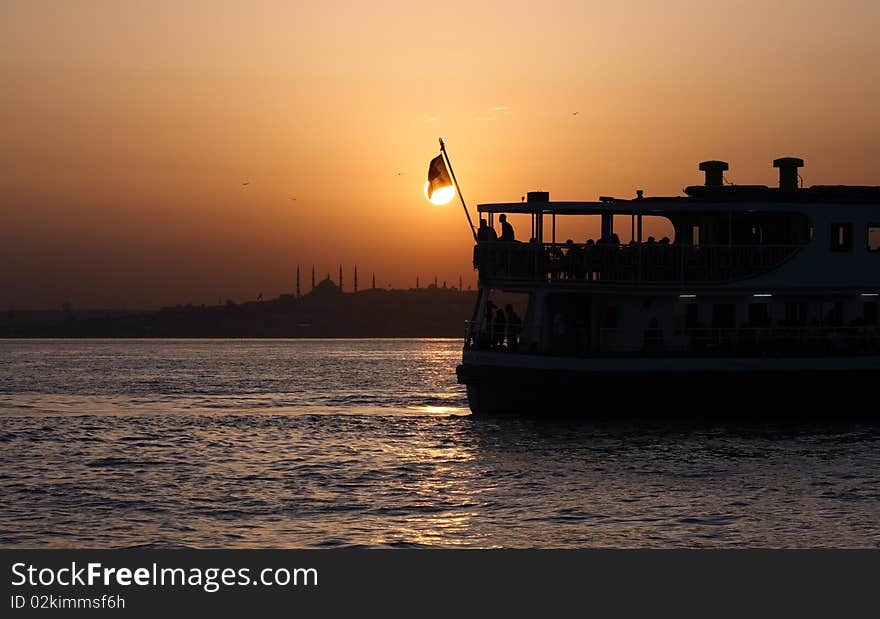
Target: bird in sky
column 292, row 199
column 575, row 113
column 245, row 184
column 400, row 174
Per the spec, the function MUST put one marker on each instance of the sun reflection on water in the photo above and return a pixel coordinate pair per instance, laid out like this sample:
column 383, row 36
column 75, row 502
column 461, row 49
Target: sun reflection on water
column 442, row 410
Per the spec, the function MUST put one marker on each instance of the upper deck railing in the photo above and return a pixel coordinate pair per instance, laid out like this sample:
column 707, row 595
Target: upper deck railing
column 654, row 263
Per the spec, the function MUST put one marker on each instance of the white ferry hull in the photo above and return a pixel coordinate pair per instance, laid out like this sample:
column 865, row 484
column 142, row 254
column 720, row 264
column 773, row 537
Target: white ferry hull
column 796, row 387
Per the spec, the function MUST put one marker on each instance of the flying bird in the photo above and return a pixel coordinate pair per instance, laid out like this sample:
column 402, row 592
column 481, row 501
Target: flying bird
column 575, row 113
column 292, row 199
column 245, row 184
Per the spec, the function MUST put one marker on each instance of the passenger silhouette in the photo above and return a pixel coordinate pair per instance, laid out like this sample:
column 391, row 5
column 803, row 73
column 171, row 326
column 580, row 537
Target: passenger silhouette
column 591, row 259
column 486, row 332
column 574, row 256
column 489, row 307
column 482, row 255
column 506, row 229
column 485, row 233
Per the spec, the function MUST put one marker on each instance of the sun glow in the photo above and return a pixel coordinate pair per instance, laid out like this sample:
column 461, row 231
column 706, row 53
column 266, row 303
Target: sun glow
column 441, row 196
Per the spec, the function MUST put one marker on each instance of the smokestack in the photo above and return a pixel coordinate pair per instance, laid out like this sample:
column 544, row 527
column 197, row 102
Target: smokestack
column 538, row 196
column 714, row 172
column 788, row 172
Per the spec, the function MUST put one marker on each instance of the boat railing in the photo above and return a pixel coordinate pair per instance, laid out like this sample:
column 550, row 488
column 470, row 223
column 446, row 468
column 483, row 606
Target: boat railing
column 634, row 262
column 776, row 340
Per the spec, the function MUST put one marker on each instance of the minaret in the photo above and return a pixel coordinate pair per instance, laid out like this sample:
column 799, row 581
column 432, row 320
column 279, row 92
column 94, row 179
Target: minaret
column 417, row 282
column 340, row 278
column 355, row 278
column 374, row 280
column 459, row 284
column 297, row 281
column 313, row 277
column 435, row 281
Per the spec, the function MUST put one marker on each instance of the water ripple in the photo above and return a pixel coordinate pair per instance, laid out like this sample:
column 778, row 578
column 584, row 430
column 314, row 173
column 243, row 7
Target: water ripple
column 188, row 444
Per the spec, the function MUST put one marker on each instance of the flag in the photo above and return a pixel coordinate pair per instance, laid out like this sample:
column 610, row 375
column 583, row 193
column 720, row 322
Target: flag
column 438, row 176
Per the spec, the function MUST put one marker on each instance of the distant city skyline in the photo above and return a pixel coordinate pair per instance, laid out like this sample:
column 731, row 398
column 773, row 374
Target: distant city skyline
column 300, row 288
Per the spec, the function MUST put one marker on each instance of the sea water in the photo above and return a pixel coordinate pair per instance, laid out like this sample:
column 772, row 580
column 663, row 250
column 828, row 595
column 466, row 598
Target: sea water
column 329, row 443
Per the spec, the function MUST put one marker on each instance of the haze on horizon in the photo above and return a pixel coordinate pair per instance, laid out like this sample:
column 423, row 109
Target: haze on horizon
column 128, row 129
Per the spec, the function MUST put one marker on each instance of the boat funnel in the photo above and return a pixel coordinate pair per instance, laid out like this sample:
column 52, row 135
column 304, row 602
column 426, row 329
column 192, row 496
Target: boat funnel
column 788, row 172
column 538, row 196
column 714, row 172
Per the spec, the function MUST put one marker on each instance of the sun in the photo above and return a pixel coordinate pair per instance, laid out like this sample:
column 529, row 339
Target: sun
column 441, row 196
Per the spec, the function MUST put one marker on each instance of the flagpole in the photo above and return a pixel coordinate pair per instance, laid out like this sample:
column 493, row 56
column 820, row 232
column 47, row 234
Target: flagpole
column 457, row 190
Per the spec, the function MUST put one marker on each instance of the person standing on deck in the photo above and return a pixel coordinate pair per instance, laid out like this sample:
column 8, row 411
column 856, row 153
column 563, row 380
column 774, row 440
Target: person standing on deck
column 506, row 229
column 485, row 233
column 481, row 253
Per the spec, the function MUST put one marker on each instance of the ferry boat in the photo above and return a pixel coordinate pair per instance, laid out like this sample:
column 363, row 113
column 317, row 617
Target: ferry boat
column 764, row 299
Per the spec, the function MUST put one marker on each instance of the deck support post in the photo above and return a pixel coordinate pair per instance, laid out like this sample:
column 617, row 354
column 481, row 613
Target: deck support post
column 607, row 225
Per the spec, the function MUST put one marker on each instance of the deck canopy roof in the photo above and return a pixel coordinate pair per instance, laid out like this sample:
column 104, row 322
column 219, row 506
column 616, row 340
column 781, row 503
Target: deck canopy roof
column 646, row 206
column 584, row 208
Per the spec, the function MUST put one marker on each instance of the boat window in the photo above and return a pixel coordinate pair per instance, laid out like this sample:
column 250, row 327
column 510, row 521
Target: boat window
column 874, row 237
column 499, row 324
column 500, row 299
column 758, row 228
column 842, row 237
column 568, row 322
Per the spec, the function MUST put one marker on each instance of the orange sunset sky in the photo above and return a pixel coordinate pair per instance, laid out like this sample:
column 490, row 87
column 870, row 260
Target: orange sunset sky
column 129, row 127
